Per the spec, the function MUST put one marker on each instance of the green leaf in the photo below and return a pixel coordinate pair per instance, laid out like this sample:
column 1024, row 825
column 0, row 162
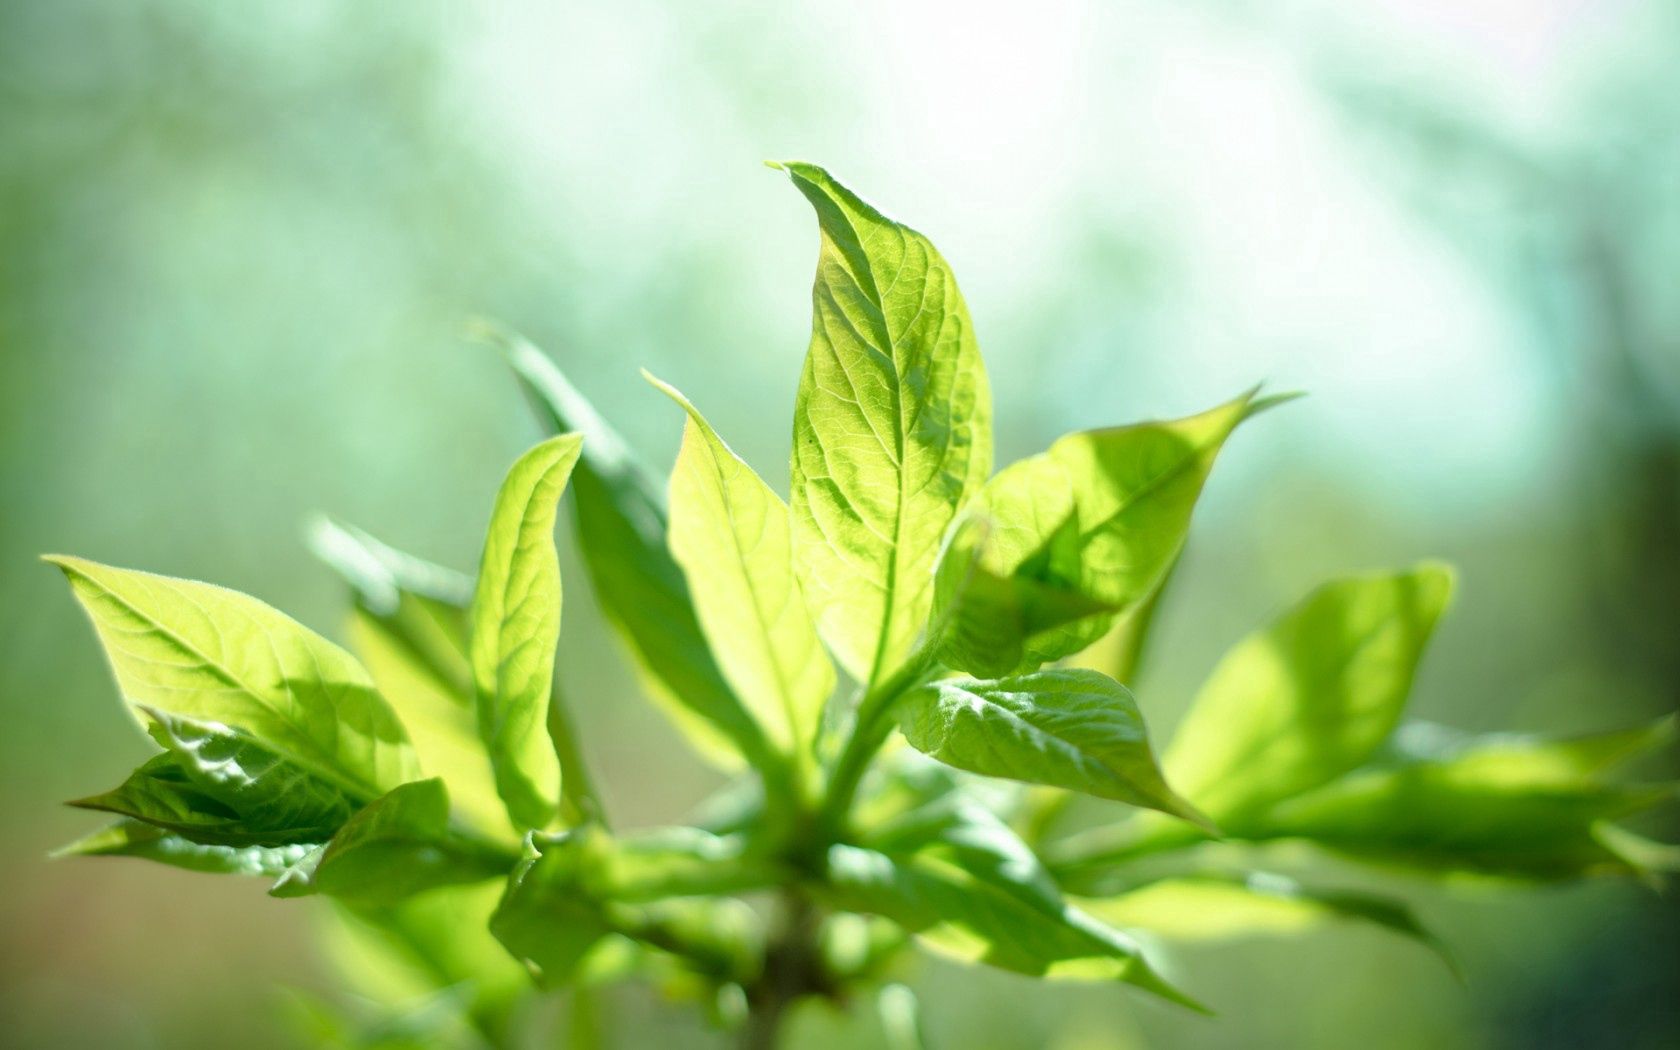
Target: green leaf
column 398, row 846
column 1100, row 517
column 927, row 810
column 892, row 427
column 159, row 793
column 133, row 838
column 1066, row 728
column 441, row 722
column 263, row 789
column 207, row 653
column 730, row 534
column 957, row 913
column 1310, row 696
column 409, row 628
column 419, row 605
column 1120, row 653
column 621, row 529
column 988, row 619
column 1212, row 907
column 543, row 920
column 1525, row 808
column 218, row 787
column 515, row 627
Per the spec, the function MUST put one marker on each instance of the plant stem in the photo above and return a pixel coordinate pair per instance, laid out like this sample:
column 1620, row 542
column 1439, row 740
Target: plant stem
column 869, row 732
column 792, row 970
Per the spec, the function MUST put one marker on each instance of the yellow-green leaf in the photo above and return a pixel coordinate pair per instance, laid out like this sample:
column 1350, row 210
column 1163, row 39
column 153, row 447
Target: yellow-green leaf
column 1309, row 697
column 730, row 534
column 515, row 627
column 892, row 427
column 205, row 652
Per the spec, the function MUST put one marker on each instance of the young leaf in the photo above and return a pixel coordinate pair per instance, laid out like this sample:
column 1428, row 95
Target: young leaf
column 1120, row 653
column 159, row 793
column 440, row 721
column 1065, row 728
column 730, row 534
column 927, row 810
column 1310, row 696
column 892, row 427
column 1504, row 807
column 542, row 922
column 960, row 914
column 1220, row 907
column 409, row 628
column 133, row 838
column 621, row 530
column 214, row 786
column 1101, row 515
column 204, row 652
column 515, row 626
column 398, row 846
column 264, row 790
column 421, row 607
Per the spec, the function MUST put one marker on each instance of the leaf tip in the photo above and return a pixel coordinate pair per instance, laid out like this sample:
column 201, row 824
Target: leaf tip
column 669, row 391
column 1257, row 404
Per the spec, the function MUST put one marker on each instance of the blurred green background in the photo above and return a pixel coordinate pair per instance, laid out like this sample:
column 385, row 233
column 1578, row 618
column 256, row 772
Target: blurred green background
column 239, row 244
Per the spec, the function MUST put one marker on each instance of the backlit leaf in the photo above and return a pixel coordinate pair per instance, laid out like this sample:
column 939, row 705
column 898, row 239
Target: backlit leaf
column 892, row 427
column 1220, row 907
column 515, row 627
column 621, row 530
column 1066, row 728
column 730, row 534
column 959, row 914
column 1310, row 696
column 1101, row 515
column 208, row 653
column 398, row 846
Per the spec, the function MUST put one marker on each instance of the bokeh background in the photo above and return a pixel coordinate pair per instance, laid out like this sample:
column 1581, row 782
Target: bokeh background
column 239, row 244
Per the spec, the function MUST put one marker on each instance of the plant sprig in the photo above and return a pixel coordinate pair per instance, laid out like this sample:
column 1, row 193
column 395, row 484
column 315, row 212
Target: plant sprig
column 433, row 785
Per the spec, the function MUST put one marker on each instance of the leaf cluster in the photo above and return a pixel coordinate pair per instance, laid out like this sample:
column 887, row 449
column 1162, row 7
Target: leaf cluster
column 434, row 786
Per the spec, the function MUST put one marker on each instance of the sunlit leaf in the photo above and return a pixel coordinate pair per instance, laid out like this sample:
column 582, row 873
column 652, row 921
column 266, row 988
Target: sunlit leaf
column 217, row 787
column 132, row 838
column 730, row 533
column 1526, row 808
column 1067, row 728
column 398, row 846
column 515, row 626
column 892, row 427
column 409, row 628
column 1101, row 515
column 208, row 653
column 960, row 914
column 621, row 529
column 1310, row 696
column 1221, row 907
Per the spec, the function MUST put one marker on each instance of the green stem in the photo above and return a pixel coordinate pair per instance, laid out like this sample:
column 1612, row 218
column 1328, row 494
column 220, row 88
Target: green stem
column 870, row 730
